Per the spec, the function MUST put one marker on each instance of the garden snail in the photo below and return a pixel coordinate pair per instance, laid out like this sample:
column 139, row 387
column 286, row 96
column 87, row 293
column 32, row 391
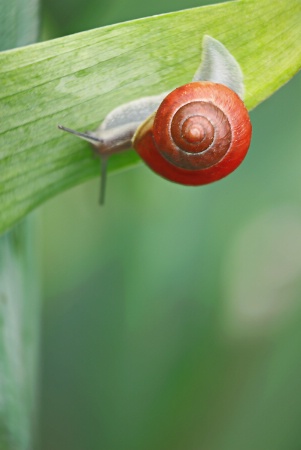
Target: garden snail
column 193, row 135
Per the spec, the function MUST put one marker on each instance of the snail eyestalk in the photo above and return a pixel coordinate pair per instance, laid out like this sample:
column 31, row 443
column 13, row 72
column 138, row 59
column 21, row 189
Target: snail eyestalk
column 103, row 178
column 86, row 136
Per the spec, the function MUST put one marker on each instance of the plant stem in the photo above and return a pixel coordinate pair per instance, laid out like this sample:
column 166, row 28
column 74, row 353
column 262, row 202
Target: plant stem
column 19, row 314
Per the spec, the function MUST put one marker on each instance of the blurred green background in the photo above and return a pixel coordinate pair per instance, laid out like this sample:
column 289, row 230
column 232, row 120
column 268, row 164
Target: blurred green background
column 172, row 316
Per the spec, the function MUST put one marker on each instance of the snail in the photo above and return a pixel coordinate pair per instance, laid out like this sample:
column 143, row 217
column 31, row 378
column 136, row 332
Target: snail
column 194, row 135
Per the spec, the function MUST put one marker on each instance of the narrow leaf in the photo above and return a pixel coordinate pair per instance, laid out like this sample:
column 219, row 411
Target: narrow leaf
column 76, row 80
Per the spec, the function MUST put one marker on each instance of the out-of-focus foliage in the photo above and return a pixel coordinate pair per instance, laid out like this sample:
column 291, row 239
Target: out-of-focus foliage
column 19, row 23
column 172, row 315
column 70, row 16
column 19, row 316
column 19, row 306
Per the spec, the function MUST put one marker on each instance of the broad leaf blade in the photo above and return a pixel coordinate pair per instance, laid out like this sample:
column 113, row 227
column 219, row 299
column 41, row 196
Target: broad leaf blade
column 78, row 79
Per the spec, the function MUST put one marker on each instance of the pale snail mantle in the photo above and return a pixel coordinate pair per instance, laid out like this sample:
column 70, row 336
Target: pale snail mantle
column 193, row 135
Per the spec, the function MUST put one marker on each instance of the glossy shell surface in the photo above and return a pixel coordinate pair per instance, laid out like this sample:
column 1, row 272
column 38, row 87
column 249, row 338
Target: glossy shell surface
column 200, row 133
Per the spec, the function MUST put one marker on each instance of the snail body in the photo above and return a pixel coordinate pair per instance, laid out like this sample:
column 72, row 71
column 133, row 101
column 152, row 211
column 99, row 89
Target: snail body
column 196, row 134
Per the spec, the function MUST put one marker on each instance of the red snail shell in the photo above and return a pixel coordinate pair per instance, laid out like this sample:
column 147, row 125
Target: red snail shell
column 200, row 133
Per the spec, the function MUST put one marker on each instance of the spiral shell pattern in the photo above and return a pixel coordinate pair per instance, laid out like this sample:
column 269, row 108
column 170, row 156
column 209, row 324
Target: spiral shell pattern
column 199, row 136
column 201, row 132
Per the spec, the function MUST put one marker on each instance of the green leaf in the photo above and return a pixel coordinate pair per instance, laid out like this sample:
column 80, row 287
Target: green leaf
column 19, row 316
column 19, row 287
column 78, row 79
column 19, row 23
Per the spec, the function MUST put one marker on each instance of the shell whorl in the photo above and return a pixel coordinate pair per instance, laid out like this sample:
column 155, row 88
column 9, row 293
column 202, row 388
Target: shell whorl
column 197, row 133
column 200, row 133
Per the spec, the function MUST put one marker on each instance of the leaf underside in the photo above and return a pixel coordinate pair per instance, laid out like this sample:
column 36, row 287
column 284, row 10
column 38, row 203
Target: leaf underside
column 78, row 79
